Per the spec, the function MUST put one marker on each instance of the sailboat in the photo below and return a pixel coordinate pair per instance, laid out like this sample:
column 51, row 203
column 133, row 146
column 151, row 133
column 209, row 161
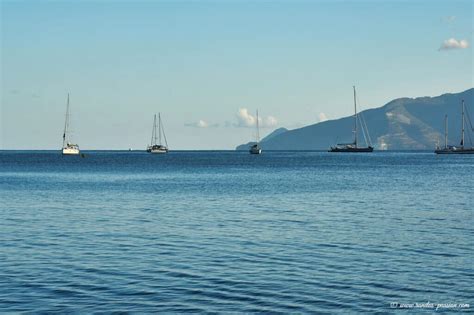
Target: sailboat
column 255, row 149
column 450, row 149
column 354, row 146
column 156, row 145
column 68, row 147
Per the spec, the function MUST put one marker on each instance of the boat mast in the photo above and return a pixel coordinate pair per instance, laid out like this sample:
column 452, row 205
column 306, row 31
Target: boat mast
column 159, row 127
column 445, row 131
column 462, row 133
column 355, row 118
column 258, row 132
column 162, row 131
column 66, row 124
column 153, row 132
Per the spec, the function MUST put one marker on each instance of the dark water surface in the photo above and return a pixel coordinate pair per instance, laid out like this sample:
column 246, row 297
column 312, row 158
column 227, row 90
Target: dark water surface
column 230, row 232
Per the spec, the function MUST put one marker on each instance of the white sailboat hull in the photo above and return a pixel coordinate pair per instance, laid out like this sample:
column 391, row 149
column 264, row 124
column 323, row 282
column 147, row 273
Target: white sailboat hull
column 71, row 151
column 157, row 149
column 161, row 151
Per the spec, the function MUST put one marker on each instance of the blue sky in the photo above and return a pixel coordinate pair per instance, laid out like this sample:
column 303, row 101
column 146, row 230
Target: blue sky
column 208, row 65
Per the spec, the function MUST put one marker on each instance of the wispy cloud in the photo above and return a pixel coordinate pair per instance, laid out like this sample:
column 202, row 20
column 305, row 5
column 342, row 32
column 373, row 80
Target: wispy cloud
column 270, row 121
column 452, row 43
column 448, row 19
column 201, row 124
column 245, row 119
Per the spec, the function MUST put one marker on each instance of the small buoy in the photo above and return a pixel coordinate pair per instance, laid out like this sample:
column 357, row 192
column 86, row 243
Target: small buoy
column 83, row 155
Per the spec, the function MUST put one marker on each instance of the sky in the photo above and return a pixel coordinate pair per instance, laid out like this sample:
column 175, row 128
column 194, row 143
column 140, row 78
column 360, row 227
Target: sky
column 207, row 66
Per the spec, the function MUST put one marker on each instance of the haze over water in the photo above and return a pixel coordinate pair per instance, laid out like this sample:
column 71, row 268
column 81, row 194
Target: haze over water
column 226, row 231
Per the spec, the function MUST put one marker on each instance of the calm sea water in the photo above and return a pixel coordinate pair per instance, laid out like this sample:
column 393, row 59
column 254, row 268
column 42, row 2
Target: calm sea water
column 229, row 232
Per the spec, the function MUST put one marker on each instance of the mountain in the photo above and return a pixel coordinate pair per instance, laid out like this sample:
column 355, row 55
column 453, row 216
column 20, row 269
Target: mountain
column 273, row 134
column 402, row 124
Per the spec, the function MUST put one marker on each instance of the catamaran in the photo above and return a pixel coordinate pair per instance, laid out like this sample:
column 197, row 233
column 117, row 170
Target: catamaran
column 68, row 147
column 156, row 146
column 354, row 146
column 255, row 149
column 461, row 149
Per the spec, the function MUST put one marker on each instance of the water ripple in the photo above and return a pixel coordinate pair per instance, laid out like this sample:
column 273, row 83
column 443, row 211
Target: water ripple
column 204, row 232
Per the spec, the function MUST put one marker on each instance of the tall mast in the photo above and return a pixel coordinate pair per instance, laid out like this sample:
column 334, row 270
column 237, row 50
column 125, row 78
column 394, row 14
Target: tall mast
column 153, row 131
column 162, row 131
column 66, row 124
column 462, row 133
column 159, row 128
column 258, row 132
column 355, row 118
column 445, row 131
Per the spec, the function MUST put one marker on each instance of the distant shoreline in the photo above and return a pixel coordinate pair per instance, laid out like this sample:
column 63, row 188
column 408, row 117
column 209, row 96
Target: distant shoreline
column 203, row 150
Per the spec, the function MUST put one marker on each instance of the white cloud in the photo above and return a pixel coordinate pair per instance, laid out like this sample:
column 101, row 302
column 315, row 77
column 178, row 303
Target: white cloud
column 322, row 117
column 453, row 43
column 201, row 124
column 270, row 121
column 245, row 119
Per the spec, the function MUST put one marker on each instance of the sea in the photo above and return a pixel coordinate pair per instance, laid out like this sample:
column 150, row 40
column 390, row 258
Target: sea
column 230, row 232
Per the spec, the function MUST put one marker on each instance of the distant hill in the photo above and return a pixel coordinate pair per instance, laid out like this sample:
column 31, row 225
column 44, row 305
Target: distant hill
column 402, row 124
